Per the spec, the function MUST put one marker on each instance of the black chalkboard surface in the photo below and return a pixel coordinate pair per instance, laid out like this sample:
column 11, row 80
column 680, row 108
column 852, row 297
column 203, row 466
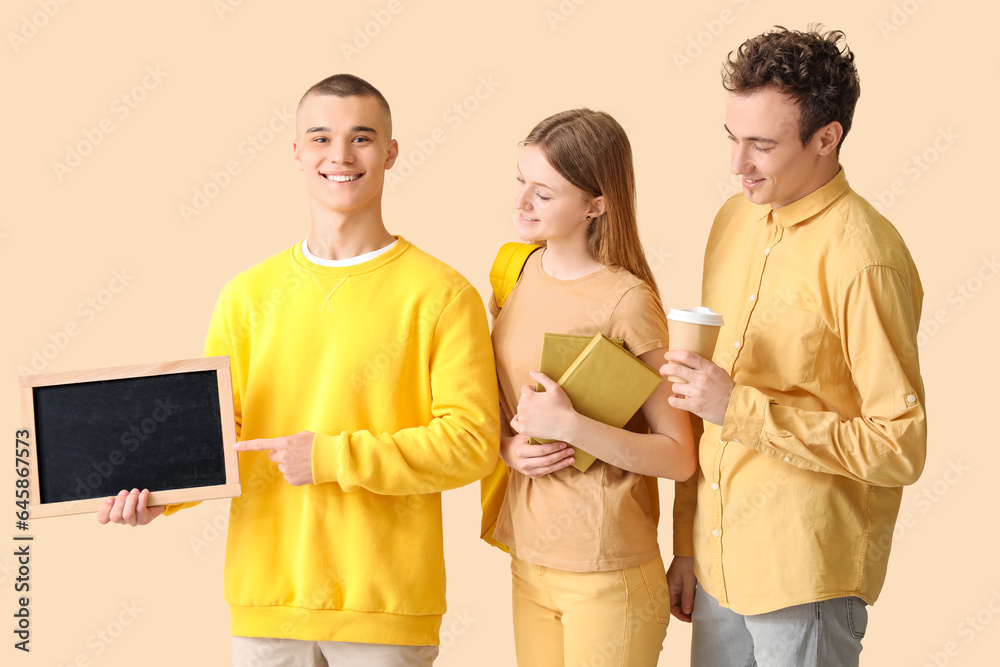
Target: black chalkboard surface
column 166, row 427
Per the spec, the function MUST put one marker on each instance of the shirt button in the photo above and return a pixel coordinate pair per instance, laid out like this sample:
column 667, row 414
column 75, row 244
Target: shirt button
column 767, row 251
column 715, row 486
column 910, row 398
column 753, row 297
column 736, row 345
column 787, row 460
column 716, row 532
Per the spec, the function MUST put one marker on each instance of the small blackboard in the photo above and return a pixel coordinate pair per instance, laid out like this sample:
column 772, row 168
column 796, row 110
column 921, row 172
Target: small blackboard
column 165, row 427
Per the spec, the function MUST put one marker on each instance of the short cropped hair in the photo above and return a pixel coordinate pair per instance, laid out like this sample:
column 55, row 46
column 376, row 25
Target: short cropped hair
column 347, row 85
column 815, row 69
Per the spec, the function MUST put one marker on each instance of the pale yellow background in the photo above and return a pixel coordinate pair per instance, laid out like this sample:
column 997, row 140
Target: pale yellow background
column 227, row 75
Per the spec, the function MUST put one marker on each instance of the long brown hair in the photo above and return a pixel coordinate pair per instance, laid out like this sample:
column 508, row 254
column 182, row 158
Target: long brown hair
column 591, row 151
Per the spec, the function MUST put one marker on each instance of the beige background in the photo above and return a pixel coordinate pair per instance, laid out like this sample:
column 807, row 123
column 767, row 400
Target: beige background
column 228, row 71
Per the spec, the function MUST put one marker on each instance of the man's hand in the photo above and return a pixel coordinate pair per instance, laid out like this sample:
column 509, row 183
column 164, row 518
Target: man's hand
column 681, row 582
column 535, row 460
column 706, row 390
column 129, row 508
column 545, row 414
column 292, row 453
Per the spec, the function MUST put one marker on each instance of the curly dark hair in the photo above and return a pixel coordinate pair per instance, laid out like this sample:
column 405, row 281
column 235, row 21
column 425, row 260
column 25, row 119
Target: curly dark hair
column 815, row 69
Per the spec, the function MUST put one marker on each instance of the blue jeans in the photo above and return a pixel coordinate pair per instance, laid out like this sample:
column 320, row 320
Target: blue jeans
column 817, row 634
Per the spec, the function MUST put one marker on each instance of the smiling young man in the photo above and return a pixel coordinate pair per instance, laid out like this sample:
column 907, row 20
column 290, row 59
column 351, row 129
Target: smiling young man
column 364, row 385
column 813, row 401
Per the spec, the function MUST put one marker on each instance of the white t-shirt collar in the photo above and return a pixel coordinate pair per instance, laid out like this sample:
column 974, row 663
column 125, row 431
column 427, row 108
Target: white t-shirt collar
column 351, row 261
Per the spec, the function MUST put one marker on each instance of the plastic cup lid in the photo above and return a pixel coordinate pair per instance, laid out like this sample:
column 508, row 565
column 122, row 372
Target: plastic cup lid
column 699, row 315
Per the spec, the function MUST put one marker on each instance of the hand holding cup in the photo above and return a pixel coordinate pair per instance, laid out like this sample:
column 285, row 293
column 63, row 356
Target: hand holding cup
column 694, row 330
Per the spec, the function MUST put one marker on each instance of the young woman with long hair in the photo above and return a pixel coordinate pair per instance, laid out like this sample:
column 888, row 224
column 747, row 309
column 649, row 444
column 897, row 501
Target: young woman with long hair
column 588, row 579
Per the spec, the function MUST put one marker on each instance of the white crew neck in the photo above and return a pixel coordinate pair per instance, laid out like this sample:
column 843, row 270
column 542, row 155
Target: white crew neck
column 350, row 261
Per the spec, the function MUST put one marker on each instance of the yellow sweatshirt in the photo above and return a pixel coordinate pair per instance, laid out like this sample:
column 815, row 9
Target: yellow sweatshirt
column 389, row 362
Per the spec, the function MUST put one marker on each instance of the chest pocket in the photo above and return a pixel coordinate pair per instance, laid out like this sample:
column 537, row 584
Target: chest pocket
column 785, row 343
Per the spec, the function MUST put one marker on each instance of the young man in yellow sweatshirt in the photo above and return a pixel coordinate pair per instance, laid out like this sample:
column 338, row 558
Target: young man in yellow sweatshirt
column 364, row 385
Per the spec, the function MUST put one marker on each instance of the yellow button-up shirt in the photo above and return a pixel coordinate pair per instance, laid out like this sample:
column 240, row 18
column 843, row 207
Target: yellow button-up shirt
column 797, row 492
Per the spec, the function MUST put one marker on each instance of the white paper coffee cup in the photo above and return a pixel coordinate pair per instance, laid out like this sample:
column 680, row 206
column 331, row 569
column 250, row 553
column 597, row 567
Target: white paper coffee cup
column 694, row 330
column 699, row 315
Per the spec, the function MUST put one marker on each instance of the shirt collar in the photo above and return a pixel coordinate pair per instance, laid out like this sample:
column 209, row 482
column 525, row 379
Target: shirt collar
column 814, row 202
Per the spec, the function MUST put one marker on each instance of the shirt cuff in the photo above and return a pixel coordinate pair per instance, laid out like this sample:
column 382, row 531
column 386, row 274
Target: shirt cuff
column 326, row 457
column 744, row 422
column 683, row 539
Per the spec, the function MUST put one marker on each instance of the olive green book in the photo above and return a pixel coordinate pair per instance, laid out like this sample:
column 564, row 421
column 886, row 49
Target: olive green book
column 603, row 380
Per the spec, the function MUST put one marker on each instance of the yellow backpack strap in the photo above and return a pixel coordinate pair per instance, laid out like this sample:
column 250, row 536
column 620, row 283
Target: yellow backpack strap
column 507, row 268
column 492, row 490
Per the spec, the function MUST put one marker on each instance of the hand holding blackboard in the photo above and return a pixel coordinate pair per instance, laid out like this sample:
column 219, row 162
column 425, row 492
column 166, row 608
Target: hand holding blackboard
column 129, row 507
column 167, row 427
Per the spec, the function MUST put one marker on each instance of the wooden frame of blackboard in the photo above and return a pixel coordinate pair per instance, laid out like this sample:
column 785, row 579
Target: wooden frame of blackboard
column 228, row 489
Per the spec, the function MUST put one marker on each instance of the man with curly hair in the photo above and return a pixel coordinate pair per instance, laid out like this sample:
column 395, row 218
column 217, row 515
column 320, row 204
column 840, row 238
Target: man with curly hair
column 813, row 402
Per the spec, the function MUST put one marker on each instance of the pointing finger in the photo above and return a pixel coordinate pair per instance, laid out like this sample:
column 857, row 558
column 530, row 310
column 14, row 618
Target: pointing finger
column 252, row 446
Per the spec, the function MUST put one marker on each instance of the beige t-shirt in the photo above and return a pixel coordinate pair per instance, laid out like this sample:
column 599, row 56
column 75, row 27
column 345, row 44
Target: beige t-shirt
column 603, row 519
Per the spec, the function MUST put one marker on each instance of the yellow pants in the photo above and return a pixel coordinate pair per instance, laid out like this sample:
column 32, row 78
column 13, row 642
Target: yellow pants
column 589, row 619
